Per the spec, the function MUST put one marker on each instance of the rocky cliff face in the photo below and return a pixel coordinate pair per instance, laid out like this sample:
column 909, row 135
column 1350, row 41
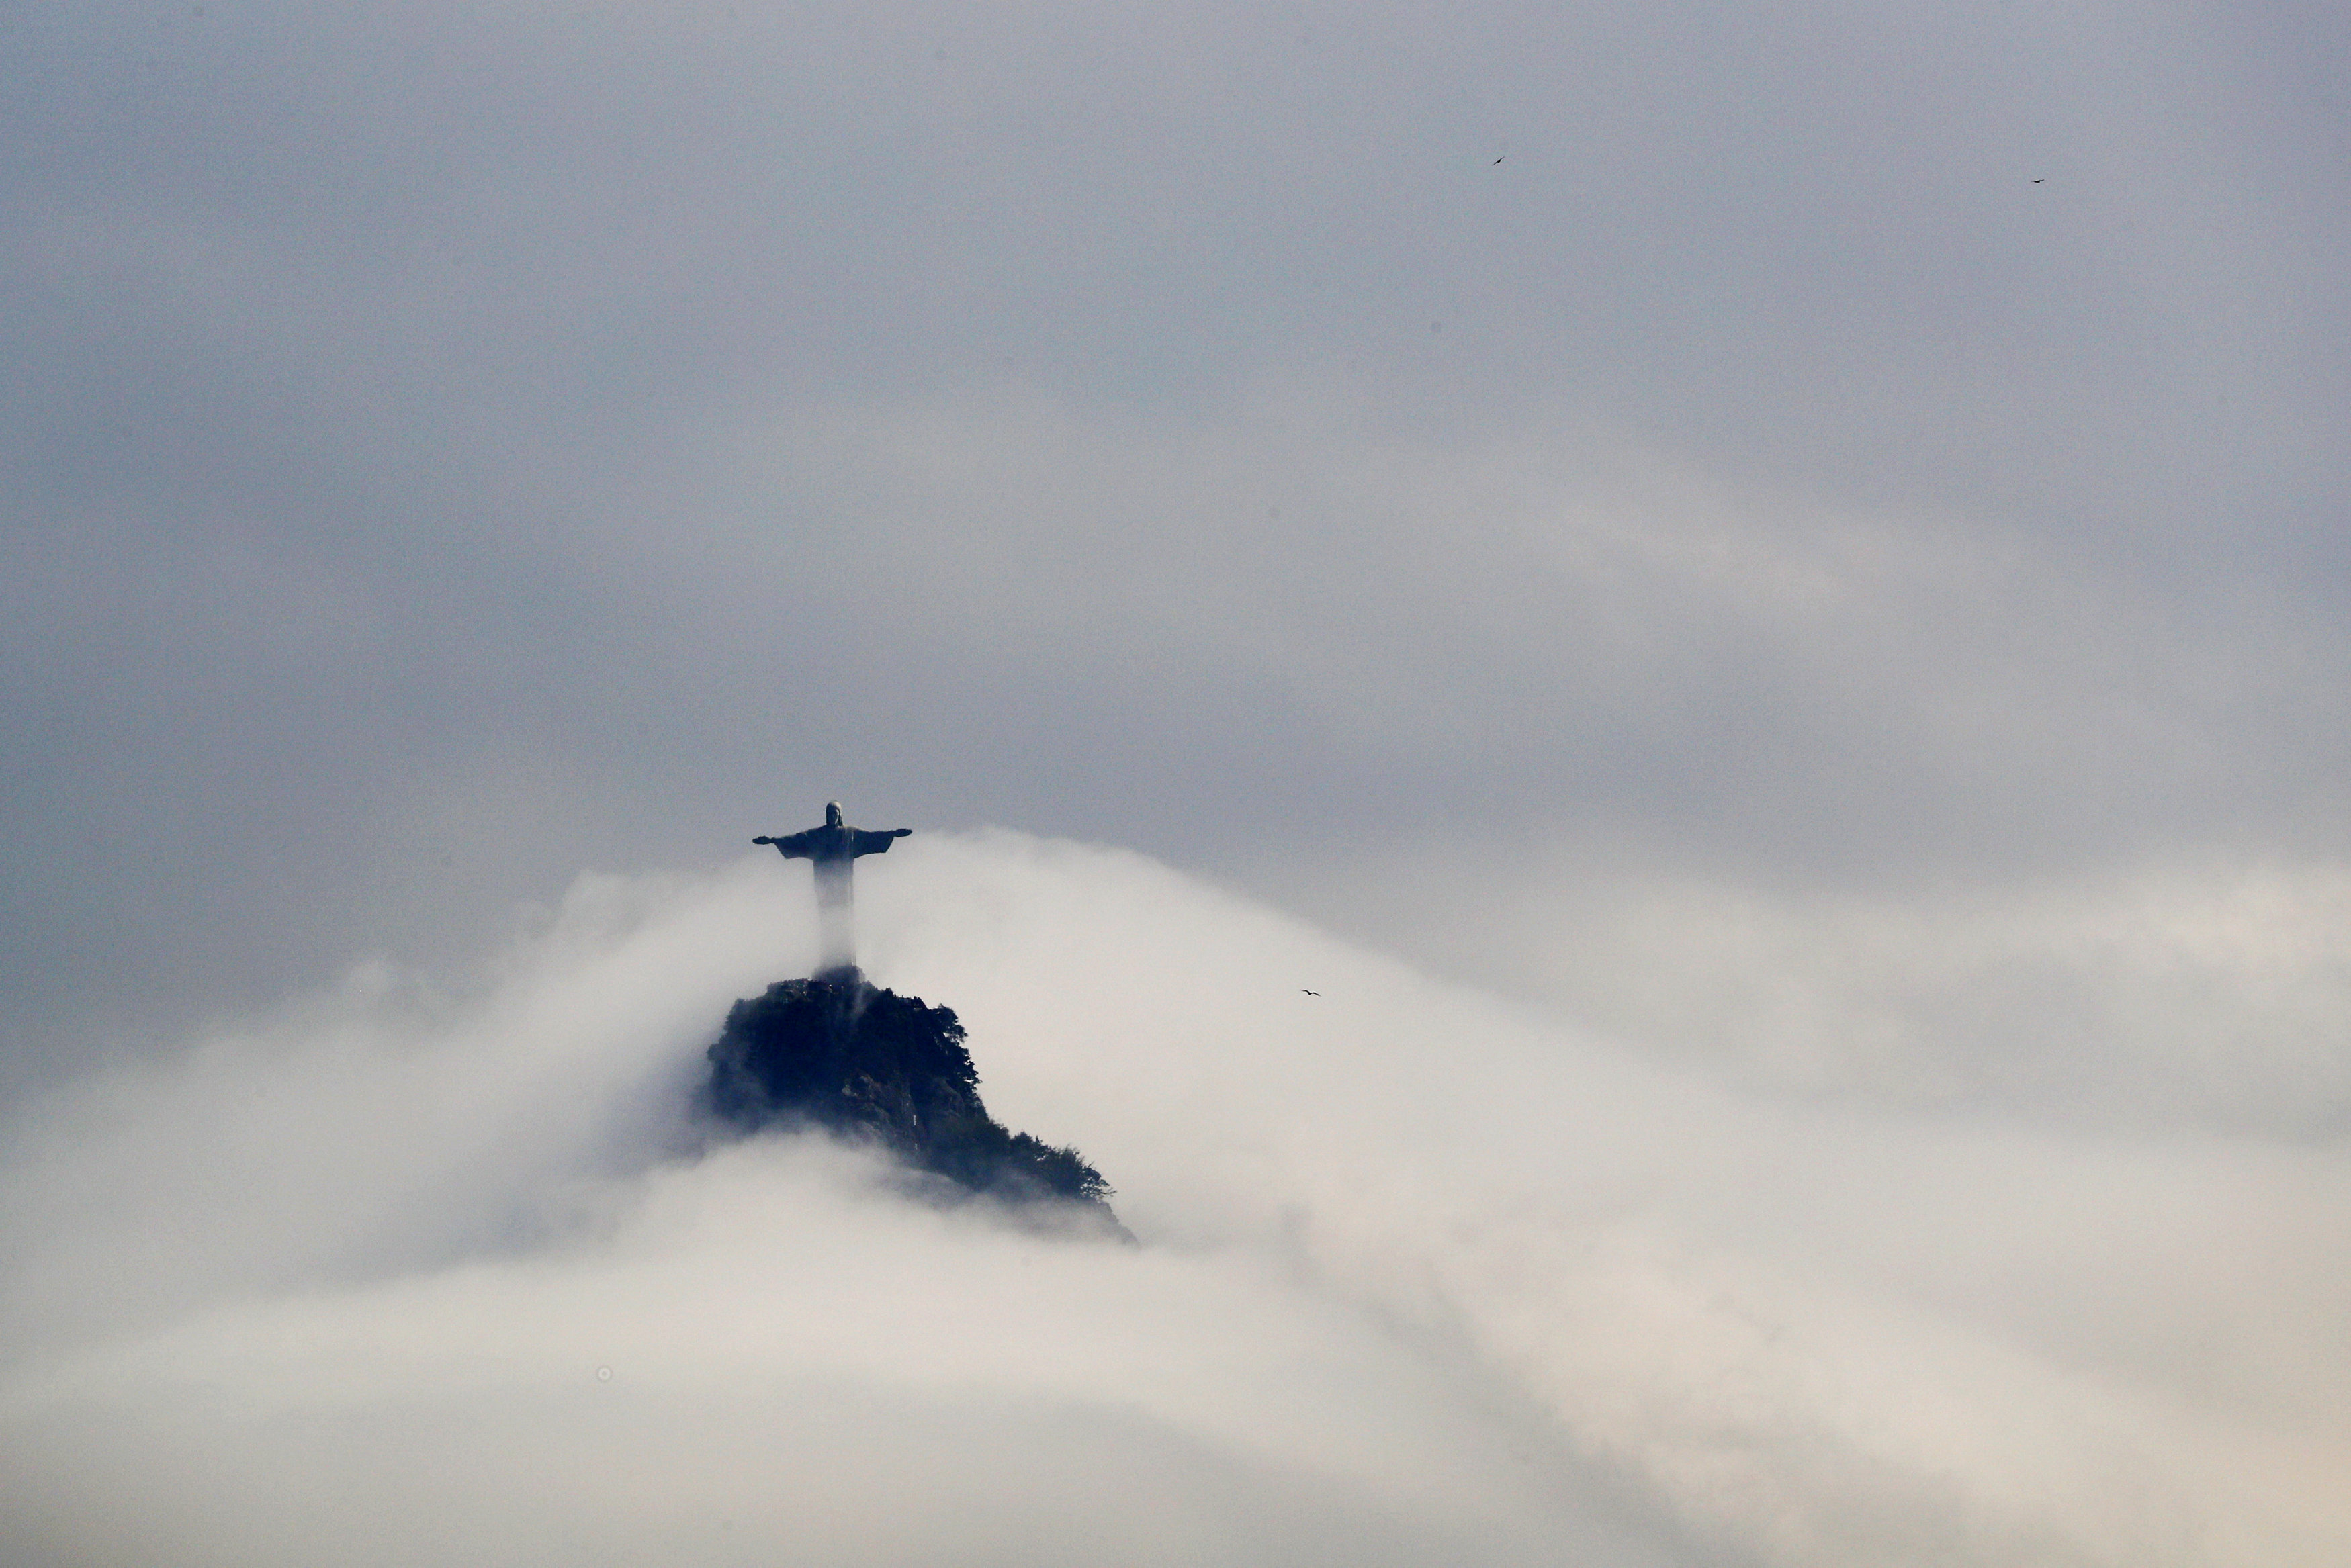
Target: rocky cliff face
column 837, row 1053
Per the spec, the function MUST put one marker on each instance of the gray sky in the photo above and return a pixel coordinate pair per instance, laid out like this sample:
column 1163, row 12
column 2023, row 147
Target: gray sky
column 452, row 447
column 1809, row 543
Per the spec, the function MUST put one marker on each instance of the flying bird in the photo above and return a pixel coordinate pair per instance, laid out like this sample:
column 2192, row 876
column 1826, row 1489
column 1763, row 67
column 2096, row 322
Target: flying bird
column 2041, row 181
column 1497, row 160
column 1310, row 993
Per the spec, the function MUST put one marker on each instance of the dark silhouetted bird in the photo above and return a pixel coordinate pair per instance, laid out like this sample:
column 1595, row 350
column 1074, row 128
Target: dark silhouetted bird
column 1310, row 993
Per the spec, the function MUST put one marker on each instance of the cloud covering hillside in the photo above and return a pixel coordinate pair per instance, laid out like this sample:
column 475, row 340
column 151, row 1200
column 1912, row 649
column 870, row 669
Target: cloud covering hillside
column 1759, row 595
column 399, row 1280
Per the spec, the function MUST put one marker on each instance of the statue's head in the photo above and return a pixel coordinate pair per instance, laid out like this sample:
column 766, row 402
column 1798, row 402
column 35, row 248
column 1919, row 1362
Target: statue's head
column 832, row 818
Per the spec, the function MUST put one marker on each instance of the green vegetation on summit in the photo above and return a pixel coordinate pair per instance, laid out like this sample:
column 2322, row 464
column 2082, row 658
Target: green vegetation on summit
column 837, row 1053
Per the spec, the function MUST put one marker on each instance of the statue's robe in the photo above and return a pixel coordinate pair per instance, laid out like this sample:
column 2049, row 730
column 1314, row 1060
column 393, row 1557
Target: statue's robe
column 834, row 850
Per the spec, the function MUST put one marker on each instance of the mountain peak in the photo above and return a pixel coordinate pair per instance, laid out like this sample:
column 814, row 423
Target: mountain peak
column 835, row 1053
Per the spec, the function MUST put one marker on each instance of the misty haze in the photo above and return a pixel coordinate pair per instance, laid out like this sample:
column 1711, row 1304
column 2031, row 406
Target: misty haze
column 1625, row 730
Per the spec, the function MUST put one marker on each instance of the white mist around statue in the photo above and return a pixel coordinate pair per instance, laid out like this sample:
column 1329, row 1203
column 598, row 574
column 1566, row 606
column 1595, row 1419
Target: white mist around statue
column 833, row 850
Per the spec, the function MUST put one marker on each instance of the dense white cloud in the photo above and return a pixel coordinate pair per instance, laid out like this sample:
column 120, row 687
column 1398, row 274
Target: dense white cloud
column 2169, row 997
column 413, row 1280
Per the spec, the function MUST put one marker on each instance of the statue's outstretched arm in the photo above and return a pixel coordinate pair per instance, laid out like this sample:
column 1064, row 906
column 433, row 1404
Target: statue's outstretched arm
column 793, row 847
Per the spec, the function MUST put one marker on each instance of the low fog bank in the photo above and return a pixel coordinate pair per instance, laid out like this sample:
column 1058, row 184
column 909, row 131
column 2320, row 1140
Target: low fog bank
column 2181, row 991
column 1425, row 1277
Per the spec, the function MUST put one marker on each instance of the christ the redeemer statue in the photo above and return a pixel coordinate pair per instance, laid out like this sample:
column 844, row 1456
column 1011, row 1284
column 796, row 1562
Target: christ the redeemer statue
column 834, row 847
